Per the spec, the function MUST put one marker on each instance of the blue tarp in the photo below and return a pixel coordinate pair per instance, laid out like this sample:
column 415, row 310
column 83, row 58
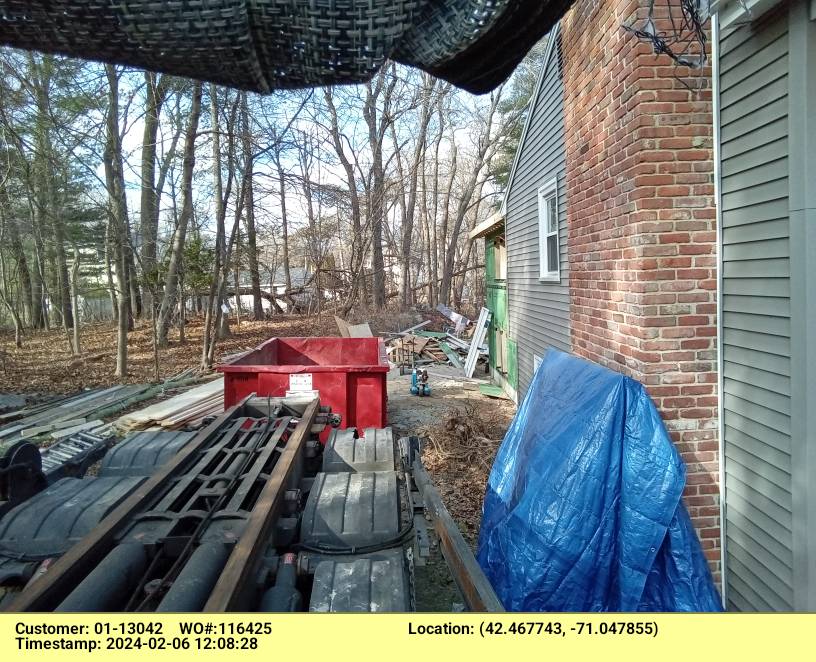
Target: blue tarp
column 583, row 509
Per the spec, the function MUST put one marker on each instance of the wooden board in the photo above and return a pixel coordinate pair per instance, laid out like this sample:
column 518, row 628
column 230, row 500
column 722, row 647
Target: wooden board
column 431, row 334
column 33, row 432
column 453, row 357
column 175, row 412
column 493, row 391
column 414, row 327
column 360, row 330
column 467, row 573
column 352, row 330
column 413, row 343
column 67, row 432
column 342, row 326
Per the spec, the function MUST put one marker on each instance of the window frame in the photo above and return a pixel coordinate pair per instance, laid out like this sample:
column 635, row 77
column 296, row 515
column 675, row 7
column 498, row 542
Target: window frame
column 545, row 271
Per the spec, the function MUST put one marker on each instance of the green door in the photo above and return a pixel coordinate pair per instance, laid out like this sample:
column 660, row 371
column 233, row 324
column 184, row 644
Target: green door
column 502, row 365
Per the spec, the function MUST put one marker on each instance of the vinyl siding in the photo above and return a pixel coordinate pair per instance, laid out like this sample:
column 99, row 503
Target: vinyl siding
column 756, row 315
column 538, row 311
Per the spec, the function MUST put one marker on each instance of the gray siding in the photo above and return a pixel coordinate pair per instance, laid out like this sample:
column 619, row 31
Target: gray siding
column 756, row 315
column 538, row 311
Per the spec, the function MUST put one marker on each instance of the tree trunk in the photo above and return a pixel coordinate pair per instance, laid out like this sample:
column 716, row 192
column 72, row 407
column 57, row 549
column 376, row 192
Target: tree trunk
column 77, row 347
column 287, row 273
column 135, row 294
column 306, row 151
column 18, row 252
column 357, row 258
column 177, row 249
column 428, row 85
column 249, row 218
column 487, row 145
column 376, row 112
column 156, row 90
column 37, row 317
column 216, row 325
column 114, row 178
column 48, row 218
column 182, row 317
column 4, row 294
column 109, row 259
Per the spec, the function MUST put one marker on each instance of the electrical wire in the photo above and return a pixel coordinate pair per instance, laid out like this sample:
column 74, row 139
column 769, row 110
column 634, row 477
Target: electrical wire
column 685, row 43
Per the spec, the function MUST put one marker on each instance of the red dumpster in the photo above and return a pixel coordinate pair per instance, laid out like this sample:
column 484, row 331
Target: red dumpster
column 348, row 374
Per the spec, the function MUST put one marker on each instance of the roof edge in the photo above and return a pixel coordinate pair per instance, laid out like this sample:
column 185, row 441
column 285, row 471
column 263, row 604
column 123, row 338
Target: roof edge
column 487, row 226
column 553, row 36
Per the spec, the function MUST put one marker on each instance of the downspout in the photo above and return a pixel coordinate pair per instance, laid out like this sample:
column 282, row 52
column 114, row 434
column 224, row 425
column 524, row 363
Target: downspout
column 715, row 96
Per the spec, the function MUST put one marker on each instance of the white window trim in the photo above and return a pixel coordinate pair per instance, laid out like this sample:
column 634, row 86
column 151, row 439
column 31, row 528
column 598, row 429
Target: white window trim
column 545, row 271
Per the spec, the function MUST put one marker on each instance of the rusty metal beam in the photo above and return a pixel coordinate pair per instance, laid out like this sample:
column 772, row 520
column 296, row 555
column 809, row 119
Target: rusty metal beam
column 237, row 580
column 50, row 589
column 468, row 575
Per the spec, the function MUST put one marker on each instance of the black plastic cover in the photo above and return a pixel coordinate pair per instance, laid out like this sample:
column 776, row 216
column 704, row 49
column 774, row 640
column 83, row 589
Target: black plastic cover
column 143, row 453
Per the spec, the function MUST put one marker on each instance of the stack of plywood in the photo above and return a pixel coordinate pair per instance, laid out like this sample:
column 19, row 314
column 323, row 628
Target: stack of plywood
column 187, row 409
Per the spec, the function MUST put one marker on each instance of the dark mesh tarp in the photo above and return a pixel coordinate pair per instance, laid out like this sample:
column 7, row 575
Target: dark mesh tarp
column 583, row 509
column 262, row 45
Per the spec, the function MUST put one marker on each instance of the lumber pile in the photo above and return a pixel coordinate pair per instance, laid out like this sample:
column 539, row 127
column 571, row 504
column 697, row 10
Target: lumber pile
column 422, row 348
column 187, row 409
column 62, row 417
column 57, row 418
column 457, row 346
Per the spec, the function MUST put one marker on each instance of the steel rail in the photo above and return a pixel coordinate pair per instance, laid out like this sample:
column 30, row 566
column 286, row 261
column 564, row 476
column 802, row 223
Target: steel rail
column 234, row 587
column 467, row 573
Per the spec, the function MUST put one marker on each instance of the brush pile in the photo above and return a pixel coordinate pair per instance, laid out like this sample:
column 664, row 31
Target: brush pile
column 458, row 452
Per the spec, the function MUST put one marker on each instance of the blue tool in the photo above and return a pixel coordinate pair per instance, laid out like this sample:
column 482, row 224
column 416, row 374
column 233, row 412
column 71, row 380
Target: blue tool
column 419, row 382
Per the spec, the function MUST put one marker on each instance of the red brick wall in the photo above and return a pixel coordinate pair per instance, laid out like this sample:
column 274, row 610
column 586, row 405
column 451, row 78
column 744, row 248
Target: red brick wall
column 642, row 243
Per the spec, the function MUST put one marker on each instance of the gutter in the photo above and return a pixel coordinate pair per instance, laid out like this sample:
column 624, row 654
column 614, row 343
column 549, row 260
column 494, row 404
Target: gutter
column 715, row 98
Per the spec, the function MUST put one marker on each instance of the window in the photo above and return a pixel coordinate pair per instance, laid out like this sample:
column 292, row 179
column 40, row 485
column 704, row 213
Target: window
column 549, row 265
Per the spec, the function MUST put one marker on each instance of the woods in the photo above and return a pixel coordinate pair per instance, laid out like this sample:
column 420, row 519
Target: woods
column 146, row 199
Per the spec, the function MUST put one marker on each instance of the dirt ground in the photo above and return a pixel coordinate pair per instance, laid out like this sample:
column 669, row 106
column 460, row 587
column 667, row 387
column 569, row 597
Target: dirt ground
column 462, row 430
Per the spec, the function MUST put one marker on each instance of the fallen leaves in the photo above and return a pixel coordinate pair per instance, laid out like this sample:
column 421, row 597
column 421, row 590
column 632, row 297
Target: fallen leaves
column 459, row 452
column 45, row 363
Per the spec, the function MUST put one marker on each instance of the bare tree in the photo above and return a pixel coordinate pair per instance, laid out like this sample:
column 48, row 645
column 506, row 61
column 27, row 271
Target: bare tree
column 177, row 249
column 486, row 146
column 117, row 210
column 249, row 218
column 156, row 89
column 377, row 115
column 215, row 322
column 410, row 182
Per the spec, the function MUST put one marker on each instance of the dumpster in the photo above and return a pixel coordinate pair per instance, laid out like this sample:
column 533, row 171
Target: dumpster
column 348, row 374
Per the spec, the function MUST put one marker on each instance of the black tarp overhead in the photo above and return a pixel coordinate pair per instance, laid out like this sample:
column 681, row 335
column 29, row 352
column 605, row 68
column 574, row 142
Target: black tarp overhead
column 263, row 45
